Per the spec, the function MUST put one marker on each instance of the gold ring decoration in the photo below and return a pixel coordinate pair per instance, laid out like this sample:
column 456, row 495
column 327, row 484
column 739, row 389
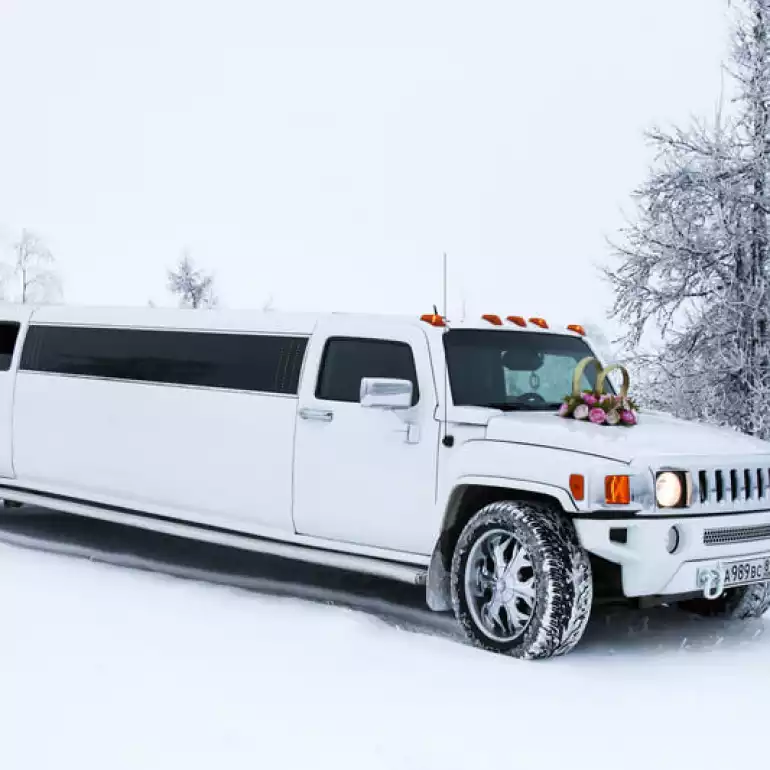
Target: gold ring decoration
column 600, row 380
column 580, row 371
column 596, row 406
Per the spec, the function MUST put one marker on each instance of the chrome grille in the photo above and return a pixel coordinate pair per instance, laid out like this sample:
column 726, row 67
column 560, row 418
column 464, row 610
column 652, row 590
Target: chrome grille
column 731, row 486
column 726, row 535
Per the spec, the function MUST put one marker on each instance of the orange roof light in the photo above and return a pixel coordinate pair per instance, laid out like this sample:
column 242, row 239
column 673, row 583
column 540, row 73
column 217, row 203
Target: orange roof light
column 577, row 485
column 578, row 329
column 517, row 319
column 617, row 490
column 541, row 322
column 495, row 320
column 434, row 319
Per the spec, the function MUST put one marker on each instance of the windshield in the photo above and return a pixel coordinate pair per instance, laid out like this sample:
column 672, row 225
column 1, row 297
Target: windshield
column 514, row 370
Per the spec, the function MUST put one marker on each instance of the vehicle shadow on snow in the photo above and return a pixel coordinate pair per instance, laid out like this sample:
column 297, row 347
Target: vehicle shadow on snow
column 387, row 601
column 662, row 630
column 611, row 631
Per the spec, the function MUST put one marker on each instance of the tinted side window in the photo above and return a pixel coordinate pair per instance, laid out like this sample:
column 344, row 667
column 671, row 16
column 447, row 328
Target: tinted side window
column 347, row 361
column 9, row 332
column 207, row 359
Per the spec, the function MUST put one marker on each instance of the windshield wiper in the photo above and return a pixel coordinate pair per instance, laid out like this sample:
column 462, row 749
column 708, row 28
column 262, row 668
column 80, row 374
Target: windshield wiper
column 512, row 406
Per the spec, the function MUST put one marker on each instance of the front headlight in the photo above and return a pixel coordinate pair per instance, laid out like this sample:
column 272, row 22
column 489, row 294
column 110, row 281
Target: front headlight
column 671, row 489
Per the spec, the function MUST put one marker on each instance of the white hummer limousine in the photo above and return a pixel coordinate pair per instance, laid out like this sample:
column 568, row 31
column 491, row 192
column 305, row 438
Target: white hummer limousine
column 408, row 448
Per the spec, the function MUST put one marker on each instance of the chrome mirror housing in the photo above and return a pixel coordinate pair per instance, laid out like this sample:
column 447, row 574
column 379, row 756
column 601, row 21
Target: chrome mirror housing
column 384, row 393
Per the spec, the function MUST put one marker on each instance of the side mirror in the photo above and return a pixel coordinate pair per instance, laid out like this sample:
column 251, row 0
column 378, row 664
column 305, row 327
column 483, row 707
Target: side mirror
column 382, row 393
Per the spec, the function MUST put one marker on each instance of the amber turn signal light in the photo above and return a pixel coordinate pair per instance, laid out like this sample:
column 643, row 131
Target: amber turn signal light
column 541, row 322
column 578, row 329
column 577, row 485
column 495, row 320
column 617, row 490
column 519, row 320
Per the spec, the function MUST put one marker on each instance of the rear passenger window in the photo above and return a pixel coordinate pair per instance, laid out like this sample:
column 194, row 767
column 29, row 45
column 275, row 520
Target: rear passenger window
column 247, row 362
column 347, row 361
column 9, row 332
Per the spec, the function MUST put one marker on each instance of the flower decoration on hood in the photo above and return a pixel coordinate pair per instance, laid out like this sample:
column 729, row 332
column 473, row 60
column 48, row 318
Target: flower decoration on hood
column 596, row 406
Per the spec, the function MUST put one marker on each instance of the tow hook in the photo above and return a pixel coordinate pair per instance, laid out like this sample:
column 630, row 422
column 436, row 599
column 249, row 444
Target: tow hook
column 712, row 581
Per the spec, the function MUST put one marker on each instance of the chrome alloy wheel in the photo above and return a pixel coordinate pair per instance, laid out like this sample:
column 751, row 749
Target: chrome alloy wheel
column 500, row 585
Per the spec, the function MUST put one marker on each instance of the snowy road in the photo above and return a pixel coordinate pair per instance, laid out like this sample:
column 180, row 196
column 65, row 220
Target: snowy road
column 109, row 667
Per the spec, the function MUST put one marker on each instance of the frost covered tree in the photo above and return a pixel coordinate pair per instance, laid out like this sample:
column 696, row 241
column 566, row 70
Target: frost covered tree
column 193, row 288
column 34, row 270
column 692, row 283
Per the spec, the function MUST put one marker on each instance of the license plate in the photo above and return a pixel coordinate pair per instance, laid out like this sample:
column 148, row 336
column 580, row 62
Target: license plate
column 739, row 573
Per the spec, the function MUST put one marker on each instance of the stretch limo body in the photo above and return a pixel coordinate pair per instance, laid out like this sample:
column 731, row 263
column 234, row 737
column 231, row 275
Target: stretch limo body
column 401, row 447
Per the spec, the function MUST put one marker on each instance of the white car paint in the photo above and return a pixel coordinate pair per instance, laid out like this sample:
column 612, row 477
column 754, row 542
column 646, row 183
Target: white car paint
column 649, row 570
column 176, row 447
column 656, row 436
column 359, row 477
column 367, row 489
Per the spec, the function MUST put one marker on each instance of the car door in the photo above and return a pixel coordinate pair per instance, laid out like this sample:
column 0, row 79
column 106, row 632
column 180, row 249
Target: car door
column 365, row 475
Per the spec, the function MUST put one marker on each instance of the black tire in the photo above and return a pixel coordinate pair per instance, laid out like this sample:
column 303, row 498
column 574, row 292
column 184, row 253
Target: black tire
column 742, row 603
column 563, row 584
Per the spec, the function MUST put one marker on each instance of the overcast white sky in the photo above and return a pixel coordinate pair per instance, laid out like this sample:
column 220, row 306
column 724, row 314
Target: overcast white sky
column 327, row 151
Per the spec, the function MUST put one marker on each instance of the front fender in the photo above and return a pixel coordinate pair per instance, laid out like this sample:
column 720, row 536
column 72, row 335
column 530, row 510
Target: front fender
column 541, row 470
column 516, row 485
column 522, row 468
column 437, row 587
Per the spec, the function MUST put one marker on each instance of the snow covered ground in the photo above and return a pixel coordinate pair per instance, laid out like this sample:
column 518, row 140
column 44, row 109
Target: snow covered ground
column 106, row 667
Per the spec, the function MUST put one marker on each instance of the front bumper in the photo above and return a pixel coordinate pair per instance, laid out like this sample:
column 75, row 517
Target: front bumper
column 647, row 567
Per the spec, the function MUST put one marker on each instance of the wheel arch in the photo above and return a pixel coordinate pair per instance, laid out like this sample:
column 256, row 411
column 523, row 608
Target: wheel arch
column 466, row 498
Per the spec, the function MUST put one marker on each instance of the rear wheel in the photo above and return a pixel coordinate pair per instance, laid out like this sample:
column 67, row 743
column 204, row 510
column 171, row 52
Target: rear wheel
column 521, row 583
column 740, row 603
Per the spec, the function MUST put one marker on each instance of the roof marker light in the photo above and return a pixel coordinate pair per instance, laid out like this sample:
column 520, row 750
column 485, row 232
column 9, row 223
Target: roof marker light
column 433, row 319
column 541, row 322
column 578, row 329
column 495, row 320
column 517, row 319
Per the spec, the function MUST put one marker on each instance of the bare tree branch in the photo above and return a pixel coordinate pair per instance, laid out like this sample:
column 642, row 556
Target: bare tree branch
column 34, row 269
column 693, row 267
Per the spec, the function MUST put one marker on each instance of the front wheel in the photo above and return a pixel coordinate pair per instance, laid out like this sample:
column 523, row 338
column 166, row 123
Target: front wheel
column 521, row 582
column 742, row 603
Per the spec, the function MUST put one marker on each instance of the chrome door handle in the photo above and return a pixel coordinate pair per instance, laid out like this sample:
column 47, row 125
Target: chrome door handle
column 322, row 415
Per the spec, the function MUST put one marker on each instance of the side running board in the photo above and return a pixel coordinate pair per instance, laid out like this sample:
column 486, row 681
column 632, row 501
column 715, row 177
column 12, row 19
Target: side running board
column 384, row 568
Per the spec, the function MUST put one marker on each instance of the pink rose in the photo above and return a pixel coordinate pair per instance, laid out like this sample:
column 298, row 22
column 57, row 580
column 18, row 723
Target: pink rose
column 590, row 399
column 628, row 417
column 605, row 397
column 597, row 416
column 581, row 412
column 564, row 410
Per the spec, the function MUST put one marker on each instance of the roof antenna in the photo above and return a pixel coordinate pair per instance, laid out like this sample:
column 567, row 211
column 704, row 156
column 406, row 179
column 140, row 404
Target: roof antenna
column 447, row 440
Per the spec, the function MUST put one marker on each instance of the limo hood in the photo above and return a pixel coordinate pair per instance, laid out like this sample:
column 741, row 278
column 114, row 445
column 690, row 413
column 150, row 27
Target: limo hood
column 656, row 435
